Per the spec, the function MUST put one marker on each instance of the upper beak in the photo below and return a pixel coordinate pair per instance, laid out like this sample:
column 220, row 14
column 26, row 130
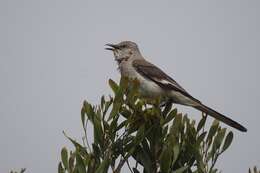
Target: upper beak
column 111, row 47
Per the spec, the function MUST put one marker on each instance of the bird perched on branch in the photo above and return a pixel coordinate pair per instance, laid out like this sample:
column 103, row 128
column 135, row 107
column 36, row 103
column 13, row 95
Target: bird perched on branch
column 156, row 83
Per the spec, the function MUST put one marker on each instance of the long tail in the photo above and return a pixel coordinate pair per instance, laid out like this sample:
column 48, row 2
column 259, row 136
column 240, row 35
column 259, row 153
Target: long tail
column 220, row 117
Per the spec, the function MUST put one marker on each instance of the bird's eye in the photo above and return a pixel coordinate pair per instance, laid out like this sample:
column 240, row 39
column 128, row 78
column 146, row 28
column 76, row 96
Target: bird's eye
column 123, row 46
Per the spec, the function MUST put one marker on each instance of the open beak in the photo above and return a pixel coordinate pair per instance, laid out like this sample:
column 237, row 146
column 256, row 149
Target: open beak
column 111, row 47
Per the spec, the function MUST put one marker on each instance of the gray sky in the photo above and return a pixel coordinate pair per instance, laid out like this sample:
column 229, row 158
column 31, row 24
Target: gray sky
column 52, row 57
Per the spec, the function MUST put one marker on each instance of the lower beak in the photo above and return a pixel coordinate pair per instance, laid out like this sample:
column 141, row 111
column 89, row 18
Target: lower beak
column 111, row 47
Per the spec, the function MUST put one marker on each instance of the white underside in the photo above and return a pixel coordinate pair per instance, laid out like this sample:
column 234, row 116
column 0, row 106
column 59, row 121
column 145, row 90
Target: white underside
column 151, row 90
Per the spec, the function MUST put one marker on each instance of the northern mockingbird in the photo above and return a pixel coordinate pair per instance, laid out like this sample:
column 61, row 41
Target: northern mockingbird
column 155, row 83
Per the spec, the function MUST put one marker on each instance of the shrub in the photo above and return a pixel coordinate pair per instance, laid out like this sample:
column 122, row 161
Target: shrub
column 155, row 138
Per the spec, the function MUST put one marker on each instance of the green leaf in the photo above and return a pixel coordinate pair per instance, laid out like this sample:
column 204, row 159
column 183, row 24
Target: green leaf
column 80, row 164
column 71, row 162
column 212, row 131
column 176, row 152
column 201, row 123
column 83, row 117
column 96, row 150
column 107, row 105
column 166, row 159
column 113, row 86
column 98, row 132
column 167, row 108
column 77, row 145
column 103, row 167
column 89, row 110
column 228, row 141
column 98, row 113
column 214, row 170
column 125, row 112
column 180, row 170
column 113, row 128
column 255, row 169
column 170, row 116
column 60, row 168
column 140, row 135
column 201, row 137
column 103, row 101
column 131, row 147
column 165, row 130
column 219, row 138
column 146, row 147
column 64, row 157
column 176, row 125
column 141, row 156
column 115, row 110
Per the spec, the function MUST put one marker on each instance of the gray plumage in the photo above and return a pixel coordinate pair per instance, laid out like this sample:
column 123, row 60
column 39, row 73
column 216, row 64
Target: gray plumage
column 154, row 82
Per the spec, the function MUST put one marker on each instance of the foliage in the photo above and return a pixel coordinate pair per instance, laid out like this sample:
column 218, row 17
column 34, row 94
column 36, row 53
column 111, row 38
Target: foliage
column 21, row 171
column 156, row 138
column 254, row 170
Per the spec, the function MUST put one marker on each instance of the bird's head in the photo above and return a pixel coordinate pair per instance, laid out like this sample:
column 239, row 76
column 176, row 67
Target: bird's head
column 124, row 50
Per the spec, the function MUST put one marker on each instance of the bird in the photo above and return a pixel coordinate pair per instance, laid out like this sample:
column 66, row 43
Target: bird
column 154, row 82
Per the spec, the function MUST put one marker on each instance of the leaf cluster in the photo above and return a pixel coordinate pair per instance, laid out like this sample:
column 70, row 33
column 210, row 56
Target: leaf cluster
column 254, row 170
column 157, row 139
column 21, row 171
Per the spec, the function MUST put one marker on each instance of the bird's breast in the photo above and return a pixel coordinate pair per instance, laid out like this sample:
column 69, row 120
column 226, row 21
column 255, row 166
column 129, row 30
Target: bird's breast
column 147, row 87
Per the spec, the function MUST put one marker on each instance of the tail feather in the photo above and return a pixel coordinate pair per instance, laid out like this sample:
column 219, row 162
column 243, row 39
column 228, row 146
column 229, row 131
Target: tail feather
column 220, row 117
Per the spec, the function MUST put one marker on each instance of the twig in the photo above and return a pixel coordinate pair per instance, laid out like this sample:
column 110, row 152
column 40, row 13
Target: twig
column 214, row 161
column 86, row 136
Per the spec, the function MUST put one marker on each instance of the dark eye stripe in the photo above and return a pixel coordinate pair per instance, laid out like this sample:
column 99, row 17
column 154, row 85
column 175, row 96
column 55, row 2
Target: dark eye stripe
column 123, row 46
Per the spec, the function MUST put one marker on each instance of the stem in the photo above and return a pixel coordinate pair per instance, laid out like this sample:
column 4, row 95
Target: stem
column 214, row 161
column 86, row 136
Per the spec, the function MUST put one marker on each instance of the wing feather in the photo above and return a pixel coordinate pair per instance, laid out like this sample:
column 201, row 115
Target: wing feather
column 153, row 73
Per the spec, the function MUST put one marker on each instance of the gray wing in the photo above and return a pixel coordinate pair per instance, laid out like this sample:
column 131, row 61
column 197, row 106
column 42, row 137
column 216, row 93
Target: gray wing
column 153, row 73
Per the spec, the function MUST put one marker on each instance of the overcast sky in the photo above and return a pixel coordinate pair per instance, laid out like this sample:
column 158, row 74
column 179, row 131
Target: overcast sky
column 52, row 57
